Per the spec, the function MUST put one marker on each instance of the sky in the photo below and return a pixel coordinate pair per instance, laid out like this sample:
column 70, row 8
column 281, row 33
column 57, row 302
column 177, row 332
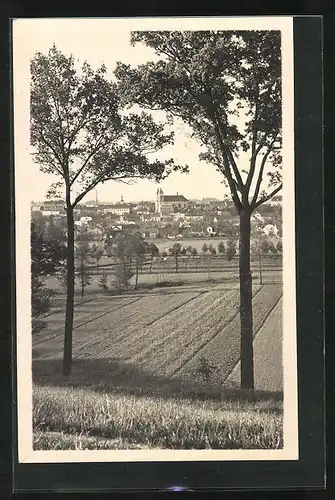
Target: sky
column 100, row 41
column 107, row 41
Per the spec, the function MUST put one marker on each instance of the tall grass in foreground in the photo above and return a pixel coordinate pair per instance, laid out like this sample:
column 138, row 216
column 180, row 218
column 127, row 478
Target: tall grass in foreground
column 153, row 422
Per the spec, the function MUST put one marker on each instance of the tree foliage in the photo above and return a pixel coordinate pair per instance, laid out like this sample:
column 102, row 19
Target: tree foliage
column 230, row 250
column 47, row 257
column 79, row 132
column 226, row 85
column 153, row 251
column 176, row 252
column 221, row 248
column 83, row 262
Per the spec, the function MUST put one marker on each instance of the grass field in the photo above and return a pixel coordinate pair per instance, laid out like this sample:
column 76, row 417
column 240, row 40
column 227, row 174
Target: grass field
column 134, row 381
column 164, row 244
column 270, row 275
column 83, row 418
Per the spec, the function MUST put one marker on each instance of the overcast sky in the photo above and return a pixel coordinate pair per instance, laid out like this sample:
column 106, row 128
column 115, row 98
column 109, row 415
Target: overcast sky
column 102, row 41
column 107, row 41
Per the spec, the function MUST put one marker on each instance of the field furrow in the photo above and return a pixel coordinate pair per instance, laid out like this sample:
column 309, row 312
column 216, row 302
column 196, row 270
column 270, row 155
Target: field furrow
column 114, row 328
column 166, row 345
column 166, row 334
column 82, row 314
column 184, row 344
column 148, row 340
column 224, row 350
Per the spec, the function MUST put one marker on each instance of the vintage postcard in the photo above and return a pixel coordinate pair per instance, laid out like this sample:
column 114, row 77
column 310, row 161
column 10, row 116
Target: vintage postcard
column 155, row 239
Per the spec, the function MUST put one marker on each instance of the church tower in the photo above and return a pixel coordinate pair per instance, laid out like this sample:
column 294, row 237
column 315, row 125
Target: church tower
column 159, row 199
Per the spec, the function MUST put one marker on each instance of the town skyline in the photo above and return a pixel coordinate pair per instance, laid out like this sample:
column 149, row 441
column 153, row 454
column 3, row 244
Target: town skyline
column 101, row 201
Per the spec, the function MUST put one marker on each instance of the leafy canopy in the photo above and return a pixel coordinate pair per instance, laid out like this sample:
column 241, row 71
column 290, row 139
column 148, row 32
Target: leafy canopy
column 79, row 132
column 226, row 86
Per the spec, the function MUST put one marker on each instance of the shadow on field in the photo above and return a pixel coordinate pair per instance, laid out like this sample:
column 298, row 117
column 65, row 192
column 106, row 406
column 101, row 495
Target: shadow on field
column 125, row 378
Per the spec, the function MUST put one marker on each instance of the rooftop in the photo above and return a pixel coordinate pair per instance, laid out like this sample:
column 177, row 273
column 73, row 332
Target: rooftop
column 174, row 197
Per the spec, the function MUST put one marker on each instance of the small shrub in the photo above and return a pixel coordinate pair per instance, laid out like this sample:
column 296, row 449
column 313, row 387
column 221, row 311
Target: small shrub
column 163, row 284
column 230, row 250
column 103, row 282
column 205, row 370
column 221, row 248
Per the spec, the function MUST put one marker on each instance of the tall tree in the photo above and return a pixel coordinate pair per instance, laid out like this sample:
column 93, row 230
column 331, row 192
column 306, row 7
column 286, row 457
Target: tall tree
column 96, row 252
column 221, row 248
column 226, row 86
column 153, row 252
column 83, row 263
column 79, row 133
column 258, row 239
column 122, row 251
column 139, row 249
column 176, row 251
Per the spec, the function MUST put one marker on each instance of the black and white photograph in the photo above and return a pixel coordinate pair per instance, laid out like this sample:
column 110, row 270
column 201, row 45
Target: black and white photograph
column 155, row 239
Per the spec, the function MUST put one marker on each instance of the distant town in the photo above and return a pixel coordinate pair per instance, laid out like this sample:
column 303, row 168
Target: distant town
column 170, row 216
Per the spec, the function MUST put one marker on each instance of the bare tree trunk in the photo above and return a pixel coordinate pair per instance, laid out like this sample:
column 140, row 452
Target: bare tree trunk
column 260, row 267
column 176, row 263
column 136, row 278
column 82, row 272
column 247, row 358
column 67, row 353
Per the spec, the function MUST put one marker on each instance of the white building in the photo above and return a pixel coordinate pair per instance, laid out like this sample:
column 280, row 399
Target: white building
column 117, row 209
column 49, row 207
column 85, row 220
column 155, row 217
column 210, row 231
column 166, row 203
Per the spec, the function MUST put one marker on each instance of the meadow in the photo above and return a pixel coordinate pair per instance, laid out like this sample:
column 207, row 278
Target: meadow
column 159, row 277
column 136, row 380
column 164, row 244
column 82, row 419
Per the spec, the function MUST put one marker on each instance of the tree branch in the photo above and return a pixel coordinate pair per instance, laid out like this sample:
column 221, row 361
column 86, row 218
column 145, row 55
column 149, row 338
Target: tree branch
column 61, row 135
column 269, row 196
column 54, row 152
column 229, row 153
column 253, row 163
column 227, row 172
column 82, row 122
column 92, row 153
column 261, row 170
column 254, row 134
column 41, row 163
